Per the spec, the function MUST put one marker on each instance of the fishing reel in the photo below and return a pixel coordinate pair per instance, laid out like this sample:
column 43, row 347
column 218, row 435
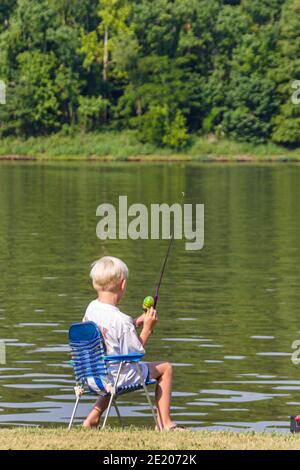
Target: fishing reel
column 148, row 302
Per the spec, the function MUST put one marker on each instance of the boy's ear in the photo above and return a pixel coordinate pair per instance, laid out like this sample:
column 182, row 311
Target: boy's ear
column 123, row 284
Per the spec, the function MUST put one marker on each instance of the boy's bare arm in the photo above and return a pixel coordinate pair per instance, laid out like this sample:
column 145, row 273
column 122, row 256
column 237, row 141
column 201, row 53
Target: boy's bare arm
column 150, row 319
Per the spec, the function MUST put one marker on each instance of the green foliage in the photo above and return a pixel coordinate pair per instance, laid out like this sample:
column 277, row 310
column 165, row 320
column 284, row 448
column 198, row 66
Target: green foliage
column 176, row 132
column 154, row 123
column 37, row 90
column 167, row 68
column 287, row 120
column 159, row 127
column 113, row 15
column 263, row 11
column 90, row 111
column 212, row 119
column 249, row 109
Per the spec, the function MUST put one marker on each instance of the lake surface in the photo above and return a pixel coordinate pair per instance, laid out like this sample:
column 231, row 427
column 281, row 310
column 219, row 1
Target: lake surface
column 228, row 313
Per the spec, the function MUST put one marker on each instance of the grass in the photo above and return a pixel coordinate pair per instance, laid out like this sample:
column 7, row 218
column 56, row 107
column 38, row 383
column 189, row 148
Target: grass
column 112, row 145
column 141, row 439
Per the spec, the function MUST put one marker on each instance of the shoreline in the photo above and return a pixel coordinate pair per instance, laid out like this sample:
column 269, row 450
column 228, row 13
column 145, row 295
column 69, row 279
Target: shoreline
column 125, row 146
column 176, row 158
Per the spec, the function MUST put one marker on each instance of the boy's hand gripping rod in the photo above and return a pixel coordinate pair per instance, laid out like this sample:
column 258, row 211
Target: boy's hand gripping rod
column 150, row 301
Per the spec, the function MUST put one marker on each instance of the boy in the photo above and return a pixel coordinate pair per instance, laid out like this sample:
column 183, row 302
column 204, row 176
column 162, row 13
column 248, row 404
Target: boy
column 109, row 276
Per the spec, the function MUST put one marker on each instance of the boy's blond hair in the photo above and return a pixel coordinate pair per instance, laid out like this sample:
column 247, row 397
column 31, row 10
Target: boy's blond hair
column 107, row 273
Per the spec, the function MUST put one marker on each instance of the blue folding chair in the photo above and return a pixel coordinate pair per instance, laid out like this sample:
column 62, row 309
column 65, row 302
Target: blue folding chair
column 90, row 368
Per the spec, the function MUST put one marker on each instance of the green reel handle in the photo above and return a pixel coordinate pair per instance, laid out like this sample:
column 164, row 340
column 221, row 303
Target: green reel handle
column 148, row 302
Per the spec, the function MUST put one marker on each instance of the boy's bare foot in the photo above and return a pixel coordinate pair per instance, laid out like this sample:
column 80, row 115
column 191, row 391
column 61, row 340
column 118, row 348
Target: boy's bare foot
column 175, row 427
column 88, row 425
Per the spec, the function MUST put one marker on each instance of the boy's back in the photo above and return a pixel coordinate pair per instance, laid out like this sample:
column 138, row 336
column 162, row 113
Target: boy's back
column 119, row 335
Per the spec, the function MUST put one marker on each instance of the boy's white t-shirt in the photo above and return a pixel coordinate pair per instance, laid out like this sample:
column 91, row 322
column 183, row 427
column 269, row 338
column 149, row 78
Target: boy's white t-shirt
column 120, row 337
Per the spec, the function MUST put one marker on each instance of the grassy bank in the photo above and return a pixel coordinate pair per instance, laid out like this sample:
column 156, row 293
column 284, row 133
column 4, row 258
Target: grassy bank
column 133, row 438
column 126, row 146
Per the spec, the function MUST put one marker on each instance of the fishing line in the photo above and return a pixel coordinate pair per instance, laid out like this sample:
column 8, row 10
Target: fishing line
column 150, row 301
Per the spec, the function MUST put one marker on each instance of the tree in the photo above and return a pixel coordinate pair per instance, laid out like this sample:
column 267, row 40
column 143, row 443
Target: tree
column 98, row 46
column 251, row 101
column 263, row 11
column 90, row 112
column 287, row 120
column 37, row 91
column 6, row 9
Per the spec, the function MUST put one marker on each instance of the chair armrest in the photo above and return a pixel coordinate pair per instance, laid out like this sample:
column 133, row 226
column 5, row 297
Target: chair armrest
column 134, row 357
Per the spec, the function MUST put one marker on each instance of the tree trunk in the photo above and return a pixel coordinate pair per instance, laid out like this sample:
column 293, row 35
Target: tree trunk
column 139, row 109
column 105, row 55
column 105, row 66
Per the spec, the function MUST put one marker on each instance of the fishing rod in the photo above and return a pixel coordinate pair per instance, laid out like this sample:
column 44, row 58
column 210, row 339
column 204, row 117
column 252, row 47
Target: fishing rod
column 150, row 301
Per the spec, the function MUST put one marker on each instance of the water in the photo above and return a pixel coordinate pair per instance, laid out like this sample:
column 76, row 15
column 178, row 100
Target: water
column 228, row 313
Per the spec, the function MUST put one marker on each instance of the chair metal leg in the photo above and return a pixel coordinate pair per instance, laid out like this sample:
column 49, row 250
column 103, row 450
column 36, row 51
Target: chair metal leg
column 113, row 395
column 74, row 412
column 147, row 395
column 108, row 410
column 118, row 413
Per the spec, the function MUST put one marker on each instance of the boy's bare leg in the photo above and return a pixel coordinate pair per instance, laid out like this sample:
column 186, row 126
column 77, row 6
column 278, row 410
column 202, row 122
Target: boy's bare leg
column 162, row 372
column 93, row 419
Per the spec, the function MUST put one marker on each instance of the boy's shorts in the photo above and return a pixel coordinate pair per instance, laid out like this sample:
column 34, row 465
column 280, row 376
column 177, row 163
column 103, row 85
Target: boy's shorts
column 129, row 377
